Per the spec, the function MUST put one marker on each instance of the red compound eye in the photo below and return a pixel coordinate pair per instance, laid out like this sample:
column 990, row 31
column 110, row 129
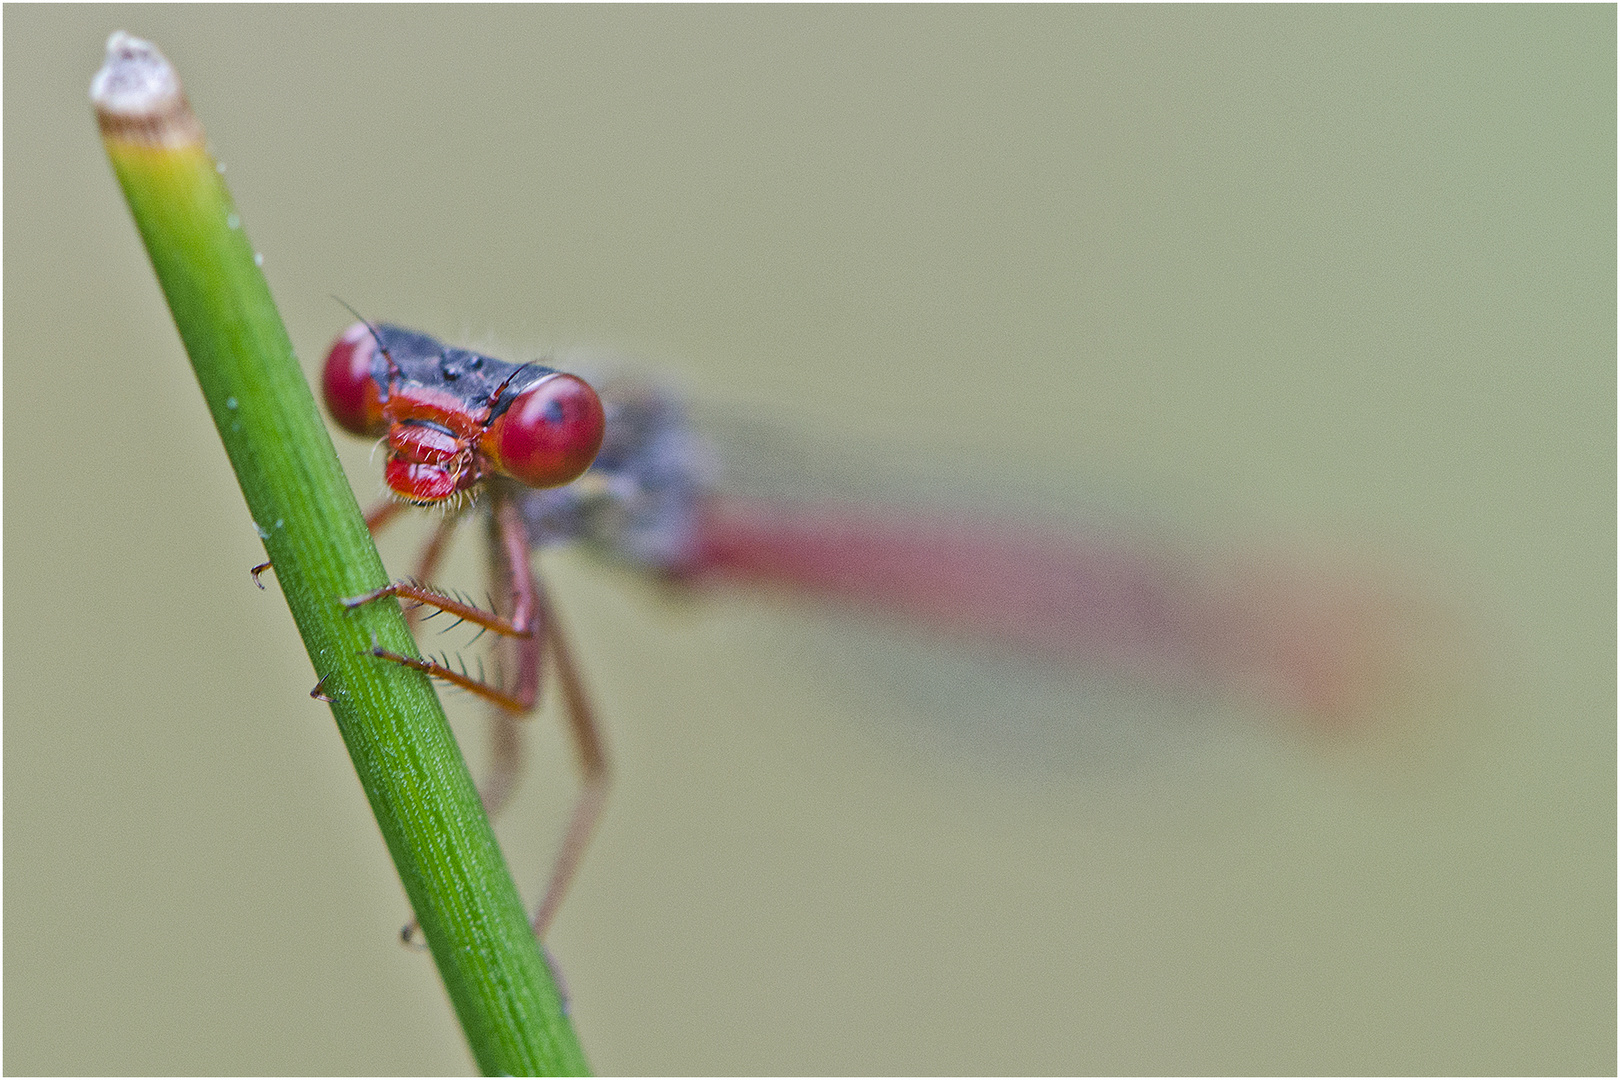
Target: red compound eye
column 550, row 434
column 352, row 394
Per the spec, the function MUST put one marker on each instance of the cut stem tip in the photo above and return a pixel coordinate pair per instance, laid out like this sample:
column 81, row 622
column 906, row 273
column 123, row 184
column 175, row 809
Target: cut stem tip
column 138, row 97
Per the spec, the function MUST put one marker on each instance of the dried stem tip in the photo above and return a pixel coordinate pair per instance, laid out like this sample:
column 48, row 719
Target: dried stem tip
column 138, row 98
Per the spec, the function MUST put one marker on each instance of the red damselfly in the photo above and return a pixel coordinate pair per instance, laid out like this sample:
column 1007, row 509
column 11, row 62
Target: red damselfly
column 524, row 440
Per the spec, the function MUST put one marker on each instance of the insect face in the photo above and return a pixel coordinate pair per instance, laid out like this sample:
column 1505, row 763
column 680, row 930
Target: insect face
column 453, row 417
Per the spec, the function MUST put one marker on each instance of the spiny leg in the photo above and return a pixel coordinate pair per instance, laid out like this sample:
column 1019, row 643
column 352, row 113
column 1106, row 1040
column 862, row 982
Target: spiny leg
column 520, row 626
column 519, row 700
column 510, row 575
column 532, row 623
column 506, row 746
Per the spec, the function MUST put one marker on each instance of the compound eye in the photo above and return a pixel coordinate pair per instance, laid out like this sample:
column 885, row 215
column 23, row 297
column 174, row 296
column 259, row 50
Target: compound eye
column 551, row 433
column 352, row 395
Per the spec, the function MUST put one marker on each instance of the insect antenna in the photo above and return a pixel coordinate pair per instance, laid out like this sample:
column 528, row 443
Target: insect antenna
column 376, row 335
column 501, row 389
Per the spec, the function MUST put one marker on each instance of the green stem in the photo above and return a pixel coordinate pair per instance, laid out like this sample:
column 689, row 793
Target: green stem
column 303, row 508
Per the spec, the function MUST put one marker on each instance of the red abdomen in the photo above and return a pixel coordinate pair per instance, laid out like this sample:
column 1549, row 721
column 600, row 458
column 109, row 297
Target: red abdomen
column 1107, row 603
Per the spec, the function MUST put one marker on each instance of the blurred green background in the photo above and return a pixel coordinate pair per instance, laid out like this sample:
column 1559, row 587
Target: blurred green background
column 1314, row 278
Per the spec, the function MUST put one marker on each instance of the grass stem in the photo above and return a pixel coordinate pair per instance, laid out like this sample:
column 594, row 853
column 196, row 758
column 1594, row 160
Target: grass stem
column 390, row 719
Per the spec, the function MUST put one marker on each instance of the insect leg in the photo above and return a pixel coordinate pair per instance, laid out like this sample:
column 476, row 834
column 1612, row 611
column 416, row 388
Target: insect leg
column 593, row 766
column 424, row 594
column 511, row 574
column 428, row 563
column 514, row 570
column 382, row 514
column 506, row 734
column 520, row 698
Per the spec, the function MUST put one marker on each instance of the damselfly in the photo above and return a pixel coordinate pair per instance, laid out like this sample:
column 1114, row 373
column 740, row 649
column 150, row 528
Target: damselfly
column 624, row 471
